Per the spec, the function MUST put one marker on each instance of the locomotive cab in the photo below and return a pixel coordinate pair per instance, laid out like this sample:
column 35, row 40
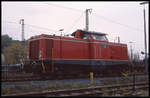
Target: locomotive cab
column 90, row 35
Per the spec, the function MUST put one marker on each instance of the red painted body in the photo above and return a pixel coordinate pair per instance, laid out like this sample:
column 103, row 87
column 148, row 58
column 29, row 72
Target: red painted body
column 75, row 48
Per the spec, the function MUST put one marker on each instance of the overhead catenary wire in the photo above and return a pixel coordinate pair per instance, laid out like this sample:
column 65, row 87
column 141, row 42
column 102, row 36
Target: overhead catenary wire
column 38, row 28
column 69, row 8
column 41, row 27
column 73, row 9
column 110, row 20
column 56, row 5
column 33, row 26
column 11, row 22
column 97, row 15
column 75, row 22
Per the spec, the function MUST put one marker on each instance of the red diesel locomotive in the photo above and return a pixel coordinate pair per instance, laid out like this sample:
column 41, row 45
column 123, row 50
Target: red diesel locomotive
column 83, row 53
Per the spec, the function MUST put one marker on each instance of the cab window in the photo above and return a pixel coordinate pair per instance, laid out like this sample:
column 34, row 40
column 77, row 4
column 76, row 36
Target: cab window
column 99, row 37
column 86, row 36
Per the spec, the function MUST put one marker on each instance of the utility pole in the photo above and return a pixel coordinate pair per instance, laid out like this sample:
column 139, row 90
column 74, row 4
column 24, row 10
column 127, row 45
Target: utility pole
column 131, row 50
column 61, row 43
column 146, row 65
column 133, row 73
column 23, row 40
column 87, row 19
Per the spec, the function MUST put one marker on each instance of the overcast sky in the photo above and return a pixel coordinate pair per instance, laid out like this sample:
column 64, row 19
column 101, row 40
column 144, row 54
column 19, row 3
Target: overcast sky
column 123, row 19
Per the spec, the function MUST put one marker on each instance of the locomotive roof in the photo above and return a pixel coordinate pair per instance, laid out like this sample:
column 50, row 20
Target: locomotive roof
column 89, row 32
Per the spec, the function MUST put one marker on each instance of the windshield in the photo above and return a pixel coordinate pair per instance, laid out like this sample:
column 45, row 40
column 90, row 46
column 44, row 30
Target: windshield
column 86, row 36
column 99, row 37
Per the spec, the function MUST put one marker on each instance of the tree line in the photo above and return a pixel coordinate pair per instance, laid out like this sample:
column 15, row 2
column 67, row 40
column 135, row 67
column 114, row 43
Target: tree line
column 12, row 50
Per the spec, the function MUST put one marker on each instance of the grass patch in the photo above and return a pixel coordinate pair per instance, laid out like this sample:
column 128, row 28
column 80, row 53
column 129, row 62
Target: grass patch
column 124, row 80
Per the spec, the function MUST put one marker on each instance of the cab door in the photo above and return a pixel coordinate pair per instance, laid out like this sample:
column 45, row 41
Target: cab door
column 97, row 52
column 104, row 50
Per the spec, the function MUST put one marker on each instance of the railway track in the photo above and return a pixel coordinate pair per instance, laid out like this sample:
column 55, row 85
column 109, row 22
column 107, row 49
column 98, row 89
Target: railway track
column 90, row 91
column 36, row 78
column 18, row 76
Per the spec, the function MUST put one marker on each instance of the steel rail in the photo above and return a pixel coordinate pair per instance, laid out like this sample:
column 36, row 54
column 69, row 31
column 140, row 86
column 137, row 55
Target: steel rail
column 31, row 78
column 86, row 91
